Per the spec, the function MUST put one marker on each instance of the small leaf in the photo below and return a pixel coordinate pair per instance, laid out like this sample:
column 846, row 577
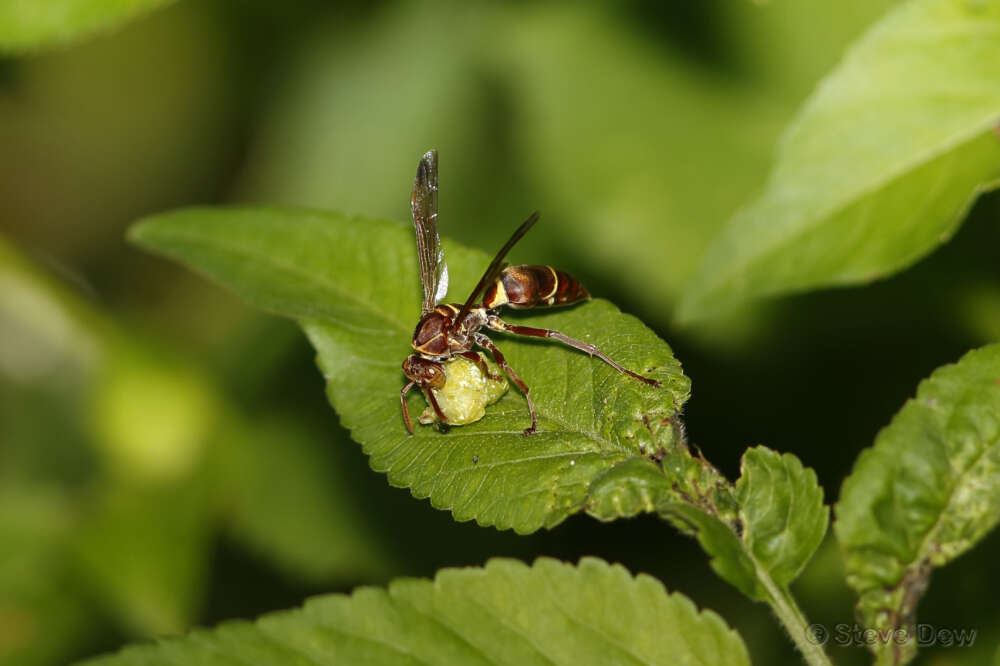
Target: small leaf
column 879, row 168
column 354, row 286
column 27, row 25
column 729, row 557
column 506, row 613
column 782, row 511
column 925, row 493
column 637, row 485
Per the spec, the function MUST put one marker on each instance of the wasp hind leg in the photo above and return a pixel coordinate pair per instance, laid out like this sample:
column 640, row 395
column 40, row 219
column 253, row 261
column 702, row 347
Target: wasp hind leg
column 498, row 324
column 487, row 344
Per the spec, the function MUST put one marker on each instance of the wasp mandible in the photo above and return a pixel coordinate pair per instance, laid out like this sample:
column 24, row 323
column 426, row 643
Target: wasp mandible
column 453, row 329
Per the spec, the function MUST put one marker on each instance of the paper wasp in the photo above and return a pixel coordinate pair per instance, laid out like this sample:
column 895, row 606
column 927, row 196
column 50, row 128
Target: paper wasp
column 451, row 329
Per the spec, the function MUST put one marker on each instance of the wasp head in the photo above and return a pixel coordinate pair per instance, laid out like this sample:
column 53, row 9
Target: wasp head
column 423, row 371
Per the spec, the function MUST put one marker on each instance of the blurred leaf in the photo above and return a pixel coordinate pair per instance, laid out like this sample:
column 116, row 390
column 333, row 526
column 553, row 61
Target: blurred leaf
column 44, row 619
column 776, row 41
column 359, row 105
column 151, row 415
column 643, row 153
column 144, row 552
column 134, row 444
column 128, row 147
column 926, row 492
column 44, row 329
column 30, row 25
column 632, row 150
column 505, row 613
column 976, row 305
column 354, row 285
column 140, row 549
column 288, row 500
column 781, row 507
column 41, row 441
column 880, row 166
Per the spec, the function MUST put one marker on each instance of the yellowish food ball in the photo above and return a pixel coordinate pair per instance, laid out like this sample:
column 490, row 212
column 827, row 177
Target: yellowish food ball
column 466, row 393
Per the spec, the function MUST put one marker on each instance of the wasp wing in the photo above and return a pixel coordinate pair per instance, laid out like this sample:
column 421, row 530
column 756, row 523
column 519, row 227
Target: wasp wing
column 496, row 266
column 424, row 206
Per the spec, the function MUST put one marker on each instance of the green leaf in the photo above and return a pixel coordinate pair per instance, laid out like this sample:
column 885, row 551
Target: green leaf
column 926, row 492
column 29, row 25
column 637, row 485
column 634, row 486
column 880, row 166
column 782, row 512
column 505, row 613
column 767, row 529
column 353, row 284
column 730, row 559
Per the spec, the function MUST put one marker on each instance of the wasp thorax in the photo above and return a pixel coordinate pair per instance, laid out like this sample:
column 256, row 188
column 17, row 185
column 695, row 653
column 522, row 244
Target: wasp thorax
column 423, row 371
column 430, row 337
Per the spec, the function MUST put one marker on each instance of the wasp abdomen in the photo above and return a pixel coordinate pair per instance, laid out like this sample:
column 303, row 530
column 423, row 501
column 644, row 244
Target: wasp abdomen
column 528, row 286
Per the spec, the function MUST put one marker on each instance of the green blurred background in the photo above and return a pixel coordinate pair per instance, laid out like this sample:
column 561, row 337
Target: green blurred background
column 167, row 457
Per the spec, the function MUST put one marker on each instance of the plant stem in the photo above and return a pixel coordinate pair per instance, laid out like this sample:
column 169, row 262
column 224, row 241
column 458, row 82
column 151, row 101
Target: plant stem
column 792, row 619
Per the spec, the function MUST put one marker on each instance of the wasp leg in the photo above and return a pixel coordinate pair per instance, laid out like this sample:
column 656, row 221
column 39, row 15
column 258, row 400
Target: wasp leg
column 434, row 403
column 406, row 410
column 481, row 364
column 484, row 342
column 498, row 324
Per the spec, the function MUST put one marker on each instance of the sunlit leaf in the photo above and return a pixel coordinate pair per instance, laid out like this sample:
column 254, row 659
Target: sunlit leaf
column 782, row 511
column 505, row 613
column 28, row 25
column 880, row 166
column 353, row 284
column 925, row 493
